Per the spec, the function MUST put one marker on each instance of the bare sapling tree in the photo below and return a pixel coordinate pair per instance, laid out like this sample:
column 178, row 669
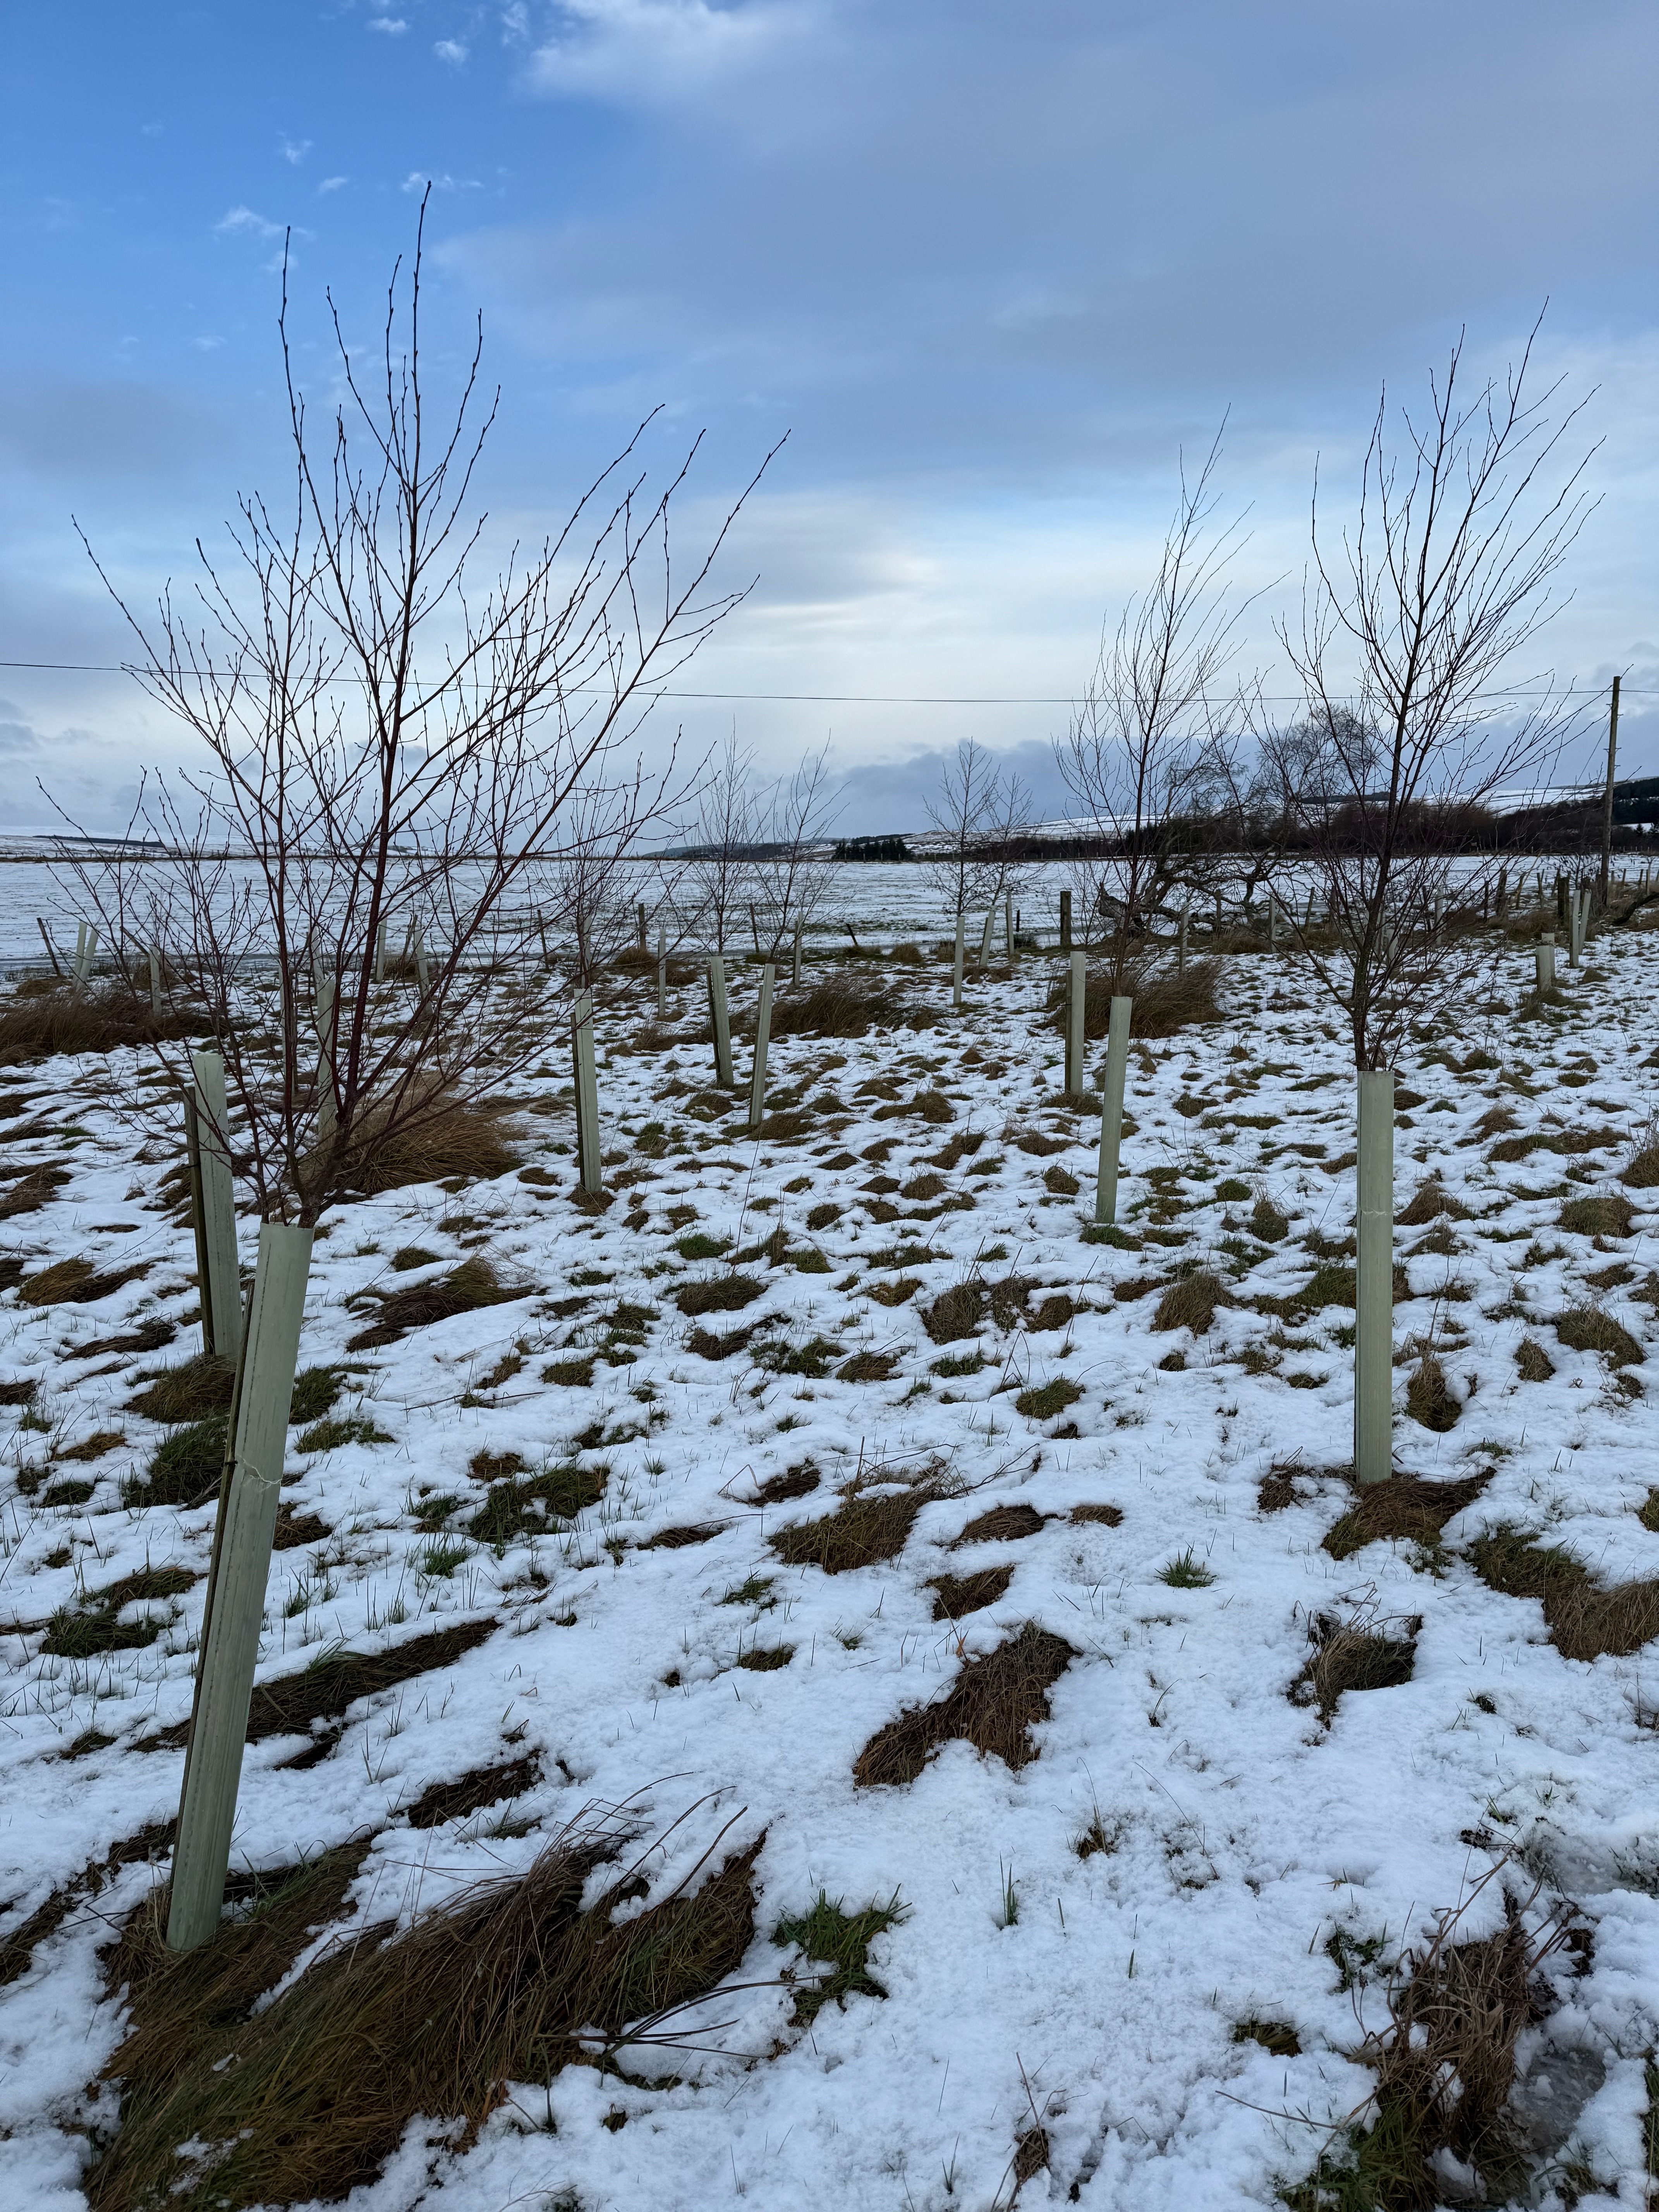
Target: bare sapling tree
column 720, row 864
column 1150, row 719
column 1410, row 624
column 980, row 815
column 389, row 742
column 795, row 865
column 1407, row 634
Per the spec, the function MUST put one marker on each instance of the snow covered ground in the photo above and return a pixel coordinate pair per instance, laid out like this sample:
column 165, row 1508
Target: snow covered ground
column 1190, row 1848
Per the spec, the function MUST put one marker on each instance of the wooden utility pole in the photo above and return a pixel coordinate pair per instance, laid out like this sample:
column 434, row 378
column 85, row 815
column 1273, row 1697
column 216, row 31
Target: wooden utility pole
column 1607, row 809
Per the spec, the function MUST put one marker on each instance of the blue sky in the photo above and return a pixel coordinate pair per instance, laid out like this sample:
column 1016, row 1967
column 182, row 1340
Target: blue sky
column 992, row 266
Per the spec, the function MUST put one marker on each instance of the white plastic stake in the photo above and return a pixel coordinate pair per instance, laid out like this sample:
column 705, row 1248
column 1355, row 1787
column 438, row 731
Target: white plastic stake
column 1111, row 1119
column 956, row 964
column 1180, row 949
column 218, row 1274
column 1008, row 928
column 420, row 970
column 241, row 1569
column 1076, row 1000
column 722, row 1020
column 380, row 952
column 156, row 980
column 794, row 963
column 327, row 1017
column 763, row 1038
column 662, row 974
column 587, row 1094
column 1373, row 1358
column 985, row 935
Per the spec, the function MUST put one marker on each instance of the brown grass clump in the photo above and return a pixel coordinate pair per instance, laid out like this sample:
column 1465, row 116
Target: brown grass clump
column 1404, row 1509
column 431, row 1141
column 843, row 1007
column 956, row 1313
column 1354, row 1656
column 955, row 1596
column 98, row 1020
column 32, row 1190
column 148, row 1336
column 868, row 1367
column 1002, row 1524
column 75, row 1283
column 1643, row 1173
column 1607, row 1215
column 994, row 1704
column 465, row 1289
column 202, row 1386
column 718, row 1294
column 471, row 1793
column 1585, row 1619
column 1444, row 2068
column 1570, row 1142
column 861, row 1531
column 796, row 1482
column 714, row 1344
column 1533, row 1362
column 1431, row 1203
column 1107, row 1516
column 1428, row 1396
column 509, row 1982
column 1164, row 1001
column 1586, row 1328
column 1192, row 1304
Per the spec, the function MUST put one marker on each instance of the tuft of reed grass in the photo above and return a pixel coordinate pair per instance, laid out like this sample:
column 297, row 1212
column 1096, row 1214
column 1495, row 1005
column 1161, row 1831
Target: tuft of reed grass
column 1588, row 1329
column 1164, row 1000
column 1428, row 1396
column 75, row 1282
column 466, row 1288
column 1586, row 1618
column 1002, row 1524
column 1354, row 1656
column 226, row 2106
column 435, row 1140
column 718, row 1294
column 200, row 1387
column 1191, row 1302
column 1607, row 1214
column 100, row 1019
column 1404, row 1509
column 955, row 1596
column 994, row 1704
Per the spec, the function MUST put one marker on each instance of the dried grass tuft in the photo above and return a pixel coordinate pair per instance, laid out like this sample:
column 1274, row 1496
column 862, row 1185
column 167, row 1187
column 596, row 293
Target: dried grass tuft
column 509, row 1982
column 994, row 1704
column 1192, row 1304
column 1588, row 1329
column 955, row 1596
column 1606, row 1215
column 393, row 1146
column 75, row 1283
column 1428, row 1396
column 190, row 1393
column 465, row 1289
column 1164, row 1000
column 1586, row 1620
column 57, row 1020
column 1404, row 1509
column 1002, row 1524
column 1357, row 1654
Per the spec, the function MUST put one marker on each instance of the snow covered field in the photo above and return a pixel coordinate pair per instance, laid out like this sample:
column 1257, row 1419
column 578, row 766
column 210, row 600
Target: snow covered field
column 1114, row 1973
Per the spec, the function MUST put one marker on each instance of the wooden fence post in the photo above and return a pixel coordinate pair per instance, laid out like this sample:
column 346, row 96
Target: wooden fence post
column 955, row 963
column 985, row 935
column 662, row 974
column 1181, row 948
column 327, row 1111
column 1065, row 921
column 1111, row 1118
column 644, row 938
column 763, row 1037
column 213, row 1208
column 1008, row 928
column 721, row 1021
column 380, row 952
column 1077, row 988
column 246, row 1522
column 156, row 980
column 587, row 1094
column 1373, row 1356
column 46, row 939
column 794, row 962
column 1272, row 923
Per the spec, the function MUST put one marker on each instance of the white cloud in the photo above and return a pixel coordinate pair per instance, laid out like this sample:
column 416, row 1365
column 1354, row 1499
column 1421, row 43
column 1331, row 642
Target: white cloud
column 662, row 49
column 332, row 184
column 450, row 50
column 207, row 345
column 152, row 130
column 418, row 181
column 392, row 26
column 294, row 149
column 515, row 24
column 243, row 222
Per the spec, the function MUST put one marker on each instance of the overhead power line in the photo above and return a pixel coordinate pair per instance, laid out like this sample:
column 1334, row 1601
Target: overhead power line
column 855, row 698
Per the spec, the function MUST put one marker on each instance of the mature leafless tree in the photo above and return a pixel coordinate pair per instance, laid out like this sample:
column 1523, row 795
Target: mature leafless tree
column 980, row 812
column 1154, row 710
column 1410, row 621
column 385, row 739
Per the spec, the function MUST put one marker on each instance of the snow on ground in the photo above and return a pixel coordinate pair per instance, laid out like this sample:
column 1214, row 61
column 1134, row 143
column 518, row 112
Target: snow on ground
column 1188, row 1841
